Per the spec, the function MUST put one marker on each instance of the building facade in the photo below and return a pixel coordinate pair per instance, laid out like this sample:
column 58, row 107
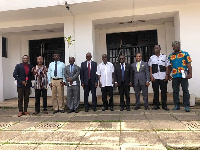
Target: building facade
column 36, row 27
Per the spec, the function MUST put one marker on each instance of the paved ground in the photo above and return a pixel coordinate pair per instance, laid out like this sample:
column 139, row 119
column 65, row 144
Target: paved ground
column 141, row 129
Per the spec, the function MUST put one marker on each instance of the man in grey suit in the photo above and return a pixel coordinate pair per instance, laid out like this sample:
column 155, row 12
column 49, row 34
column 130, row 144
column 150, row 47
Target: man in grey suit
column 72, row 72
column 140, row 80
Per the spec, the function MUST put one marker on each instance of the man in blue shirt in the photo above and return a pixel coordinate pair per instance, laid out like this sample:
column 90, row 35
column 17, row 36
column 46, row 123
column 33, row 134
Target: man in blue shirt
column 181, row 71
column 56, row 80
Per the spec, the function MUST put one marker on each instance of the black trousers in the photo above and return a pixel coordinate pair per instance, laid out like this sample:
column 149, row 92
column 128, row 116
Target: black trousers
column 124, row 90
column 87, row 89
column 23, row 97
column 107, row 90
column 163, row 87
column 176, row 88
column 38, row 93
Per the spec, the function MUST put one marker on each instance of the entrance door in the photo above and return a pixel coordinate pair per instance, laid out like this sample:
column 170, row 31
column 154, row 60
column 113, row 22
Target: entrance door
column 46, row 49
column 129, row 44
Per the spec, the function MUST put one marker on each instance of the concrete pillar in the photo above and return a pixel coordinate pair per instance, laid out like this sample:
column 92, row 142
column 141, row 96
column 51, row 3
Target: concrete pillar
column 84, row 42
column 1, row 73
column 69, row 31
column 189, row 33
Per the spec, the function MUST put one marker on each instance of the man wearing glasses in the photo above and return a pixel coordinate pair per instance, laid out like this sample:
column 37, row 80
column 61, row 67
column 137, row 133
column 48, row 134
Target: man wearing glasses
column 122, row 81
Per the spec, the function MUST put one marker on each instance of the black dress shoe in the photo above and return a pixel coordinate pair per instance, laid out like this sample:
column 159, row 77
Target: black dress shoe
column 146, row 108
column 55, row 111
column 165, row 108
column 121, row 108
column 69, row 111
column 94, row 109
column 111, row 108
column 86, row 109
column 104, row 108
column 136, row 108
column 62, row 111
column 156, row 107
column 76, row 110
column 128, row 108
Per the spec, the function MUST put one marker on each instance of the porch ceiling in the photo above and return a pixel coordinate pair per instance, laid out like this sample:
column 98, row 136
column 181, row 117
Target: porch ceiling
column 85, row 8
column 37, row 29
column 128, row 21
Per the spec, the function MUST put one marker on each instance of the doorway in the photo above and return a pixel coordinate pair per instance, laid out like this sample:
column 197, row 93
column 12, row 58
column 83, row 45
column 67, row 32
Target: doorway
column 46, row 49
column 131, row 43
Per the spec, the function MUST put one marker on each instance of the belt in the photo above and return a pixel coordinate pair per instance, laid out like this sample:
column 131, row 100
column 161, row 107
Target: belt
column 57, row 78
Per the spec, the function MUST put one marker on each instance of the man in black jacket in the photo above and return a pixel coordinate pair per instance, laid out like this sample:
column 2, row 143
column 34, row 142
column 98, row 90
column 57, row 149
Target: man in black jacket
column 22, row 74
column 123, row 82
column 89, row 81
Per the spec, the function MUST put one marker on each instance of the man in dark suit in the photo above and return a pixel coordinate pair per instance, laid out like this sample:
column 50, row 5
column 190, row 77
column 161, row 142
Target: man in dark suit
column 140, row 80
column 89, row 81
column 123, row 82
column 72, row 73
column 22, row 74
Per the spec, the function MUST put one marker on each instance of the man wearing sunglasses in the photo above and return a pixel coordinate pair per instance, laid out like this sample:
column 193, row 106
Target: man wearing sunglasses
column 122, row 81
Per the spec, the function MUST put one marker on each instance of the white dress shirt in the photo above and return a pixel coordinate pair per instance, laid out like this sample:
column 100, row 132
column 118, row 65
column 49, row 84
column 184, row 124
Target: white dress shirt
column 123, row 65
column 162, row 60
column 138, row 63
column 105, row 71
column 88, row 63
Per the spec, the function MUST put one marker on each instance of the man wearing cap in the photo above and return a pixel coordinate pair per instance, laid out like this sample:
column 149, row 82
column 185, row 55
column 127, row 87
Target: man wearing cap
column 181, row 71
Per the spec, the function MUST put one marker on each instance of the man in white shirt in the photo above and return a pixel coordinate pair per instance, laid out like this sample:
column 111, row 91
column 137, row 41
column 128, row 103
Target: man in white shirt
column 159, row 76
column 105, row 72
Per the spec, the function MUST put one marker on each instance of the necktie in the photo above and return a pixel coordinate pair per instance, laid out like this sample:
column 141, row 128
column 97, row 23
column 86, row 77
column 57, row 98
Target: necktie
column 138, row 66
column 89, row 70
column 55, row 71
column 71, row 69
column 122, row 72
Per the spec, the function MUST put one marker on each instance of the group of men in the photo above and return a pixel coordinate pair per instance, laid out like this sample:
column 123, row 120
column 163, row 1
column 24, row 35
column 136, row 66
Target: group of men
column 123, row 75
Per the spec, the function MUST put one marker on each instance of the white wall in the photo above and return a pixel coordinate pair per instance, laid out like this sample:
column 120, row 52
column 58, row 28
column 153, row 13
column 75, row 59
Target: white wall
column 189, row 37
column 9, row 63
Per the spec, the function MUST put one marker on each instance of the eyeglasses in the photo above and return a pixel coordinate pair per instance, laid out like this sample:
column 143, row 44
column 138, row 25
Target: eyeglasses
column 121, row 58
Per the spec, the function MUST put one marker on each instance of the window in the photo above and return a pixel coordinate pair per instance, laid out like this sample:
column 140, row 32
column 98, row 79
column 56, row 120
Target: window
column 4, row 47
column 46, row 49
column 129, row 44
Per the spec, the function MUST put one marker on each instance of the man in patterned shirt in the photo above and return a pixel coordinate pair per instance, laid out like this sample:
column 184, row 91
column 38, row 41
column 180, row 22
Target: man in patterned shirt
column 40, row 85
column 181, row 71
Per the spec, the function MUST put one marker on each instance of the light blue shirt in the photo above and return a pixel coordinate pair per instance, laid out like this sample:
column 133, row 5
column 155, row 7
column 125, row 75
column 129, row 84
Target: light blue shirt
column 60, row 71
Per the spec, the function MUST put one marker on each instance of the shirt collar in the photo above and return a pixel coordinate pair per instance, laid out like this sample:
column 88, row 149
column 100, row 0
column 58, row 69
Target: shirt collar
column 177, row 53
column 104, row 64
column 25, row 64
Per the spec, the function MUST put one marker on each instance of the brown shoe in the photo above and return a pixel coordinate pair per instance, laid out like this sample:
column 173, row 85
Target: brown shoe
column 45, row 112
column 26, row 113
column 35, row 113
column 20, row 114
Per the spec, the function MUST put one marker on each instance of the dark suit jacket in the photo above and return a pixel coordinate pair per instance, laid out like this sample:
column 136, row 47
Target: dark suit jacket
column 19, row 75
column 84, row 73
column 142, row 76
column 75, row 74
column 127, row 74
